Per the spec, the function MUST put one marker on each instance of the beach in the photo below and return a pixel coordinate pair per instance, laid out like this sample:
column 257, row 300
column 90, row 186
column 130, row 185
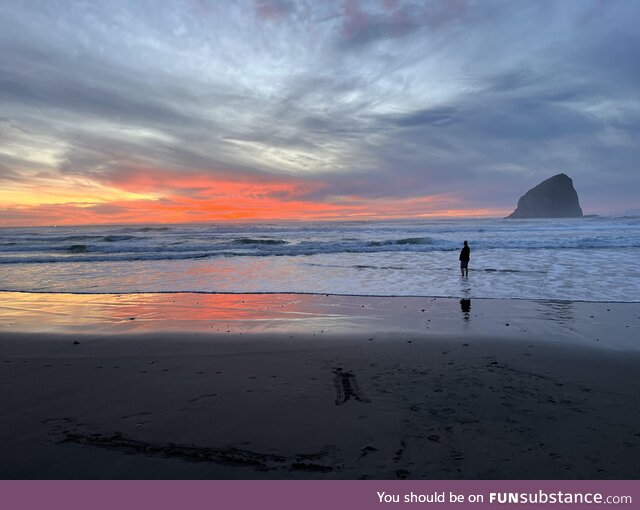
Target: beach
column 279, row 246
column 290, row 386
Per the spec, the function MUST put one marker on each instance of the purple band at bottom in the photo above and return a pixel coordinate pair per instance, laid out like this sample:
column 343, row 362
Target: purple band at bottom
column 320, row 495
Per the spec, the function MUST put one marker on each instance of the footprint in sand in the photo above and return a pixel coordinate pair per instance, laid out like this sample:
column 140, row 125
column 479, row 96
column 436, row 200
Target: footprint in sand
column 59, row 426
column 137, row 418
column 134, row 415
column 206, row 396
column 400, row 452
column 347, row 387
column 57, row 421
column 367, row 450
column 200, row 402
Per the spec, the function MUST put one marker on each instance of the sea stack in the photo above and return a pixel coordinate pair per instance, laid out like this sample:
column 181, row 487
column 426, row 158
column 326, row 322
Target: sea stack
column 554, row 198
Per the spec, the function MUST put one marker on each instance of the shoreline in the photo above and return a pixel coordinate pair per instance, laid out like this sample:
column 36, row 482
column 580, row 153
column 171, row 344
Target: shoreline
column 321, row 387
column 334, row 294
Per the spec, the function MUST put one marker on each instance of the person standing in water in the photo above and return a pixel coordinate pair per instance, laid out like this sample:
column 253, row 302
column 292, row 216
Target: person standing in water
column 464, row 259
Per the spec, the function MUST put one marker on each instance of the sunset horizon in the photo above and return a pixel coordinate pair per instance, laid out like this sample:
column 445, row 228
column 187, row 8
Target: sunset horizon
column 235, row 218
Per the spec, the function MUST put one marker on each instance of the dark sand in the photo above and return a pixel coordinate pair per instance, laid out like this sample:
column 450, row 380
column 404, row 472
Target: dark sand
column 282, row 386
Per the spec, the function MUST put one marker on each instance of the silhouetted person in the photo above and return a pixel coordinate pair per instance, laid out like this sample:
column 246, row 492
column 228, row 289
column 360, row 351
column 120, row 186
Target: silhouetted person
column 464, row 259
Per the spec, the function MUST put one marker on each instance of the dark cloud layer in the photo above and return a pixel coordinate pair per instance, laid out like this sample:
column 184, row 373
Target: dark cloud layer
column 380, row 99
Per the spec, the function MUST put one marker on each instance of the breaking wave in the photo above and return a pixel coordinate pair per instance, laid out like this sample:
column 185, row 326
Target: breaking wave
column 138, row 243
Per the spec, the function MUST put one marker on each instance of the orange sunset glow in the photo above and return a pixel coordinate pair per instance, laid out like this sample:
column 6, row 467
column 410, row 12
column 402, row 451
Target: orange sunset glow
column 148, row 196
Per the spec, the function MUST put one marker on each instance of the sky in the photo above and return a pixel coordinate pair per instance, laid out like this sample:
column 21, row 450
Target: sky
column 204, row 110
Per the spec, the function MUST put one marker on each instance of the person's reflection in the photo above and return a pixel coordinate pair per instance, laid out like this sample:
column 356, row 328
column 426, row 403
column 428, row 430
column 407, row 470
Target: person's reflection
column 465, row 306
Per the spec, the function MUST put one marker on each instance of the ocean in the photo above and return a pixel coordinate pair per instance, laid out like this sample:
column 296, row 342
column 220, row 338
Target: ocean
column 584, row 259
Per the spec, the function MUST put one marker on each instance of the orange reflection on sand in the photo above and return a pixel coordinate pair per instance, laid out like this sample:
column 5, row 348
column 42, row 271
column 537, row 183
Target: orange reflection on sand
column 103, row 313
column 312, row 315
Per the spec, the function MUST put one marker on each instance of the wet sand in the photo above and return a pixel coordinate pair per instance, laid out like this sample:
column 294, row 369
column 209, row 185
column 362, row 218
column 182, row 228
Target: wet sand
column 289, row 386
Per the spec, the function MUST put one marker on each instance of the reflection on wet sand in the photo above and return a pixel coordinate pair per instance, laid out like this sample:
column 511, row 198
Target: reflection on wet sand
column 465, row 307
column 153, row 312
column 313, row 314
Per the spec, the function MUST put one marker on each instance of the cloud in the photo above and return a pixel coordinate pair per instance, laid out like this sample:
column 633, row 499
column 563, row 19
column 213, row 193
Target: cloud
column 322, row 103
column 397, row 20
column 426, row 117
column 273, row 9
column 110, row 210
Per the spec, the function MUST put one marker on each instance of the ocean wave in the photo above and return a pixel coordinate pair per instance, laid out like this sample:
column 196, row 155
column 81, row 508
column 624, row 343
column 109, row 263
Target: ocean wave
column 87, row 254
column 89, row 257
column 119, row 246
column 116, row 238
column 405, row 241
column 492, row 270
column 87, row 244
column 42, row 239
column 77, row 248
column 415, row 240
column 271, row 242
column 144, row 229
column 366, row 266
column 543, row 259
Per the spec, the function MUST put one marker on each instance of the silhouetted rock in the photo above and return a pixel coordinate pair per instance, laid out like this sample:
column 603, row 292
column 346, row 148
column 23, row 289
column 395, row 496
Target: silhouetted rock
column 553, row 198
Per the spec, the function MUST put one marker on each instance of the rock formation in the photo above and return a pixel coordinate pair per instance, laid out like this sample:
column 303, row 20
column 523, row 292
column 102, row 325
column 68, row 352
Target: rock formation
column 554, row 198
